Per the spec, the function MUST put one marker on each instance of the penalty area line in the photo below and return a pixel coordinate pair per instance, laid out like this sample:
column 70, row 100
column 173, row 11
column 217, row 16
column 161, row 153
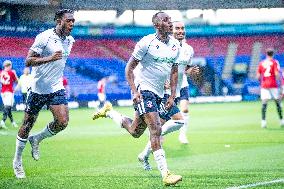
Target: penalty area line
column 258, row 184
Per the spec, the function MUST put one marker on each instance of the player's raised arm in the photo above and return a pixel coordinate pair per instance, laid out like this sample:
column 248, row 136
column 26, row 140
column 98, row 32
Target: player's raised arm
column 34, row 59
column 131, row 65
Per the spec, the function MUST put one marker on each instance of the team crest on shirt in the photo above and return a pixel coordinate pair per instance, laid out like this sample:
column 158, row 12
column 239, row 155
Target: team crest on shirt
column 174, row 48
column 149, row 104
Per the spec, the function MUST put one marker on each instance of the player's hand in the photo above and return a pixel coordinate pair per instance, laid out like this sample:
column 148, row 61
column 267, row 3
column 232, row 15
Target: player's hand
column 167, row 85
column 170, row 102
column 193, row 70
column 57, row 55
column 137, row 97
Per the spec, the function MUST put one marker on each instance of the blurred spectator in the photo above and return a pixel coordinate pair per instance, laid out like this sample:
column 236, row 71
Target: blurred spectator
column 24, row 83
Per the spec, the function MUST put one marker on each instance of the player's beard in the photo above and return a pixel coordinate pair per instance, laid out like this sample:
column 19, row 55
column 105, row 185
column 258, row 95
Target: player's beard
column 64, row 30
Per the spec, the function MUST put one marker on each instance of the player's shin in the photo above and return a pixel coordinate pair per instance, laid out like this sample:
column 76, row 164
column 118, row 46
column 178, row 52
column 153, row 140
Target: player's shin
column 45, row 133
column 184, row 128
column 5, row 113
column 171, row 126
column 147, row 150
column 160, row 158
column 9, row 111
column 20, row 146
column 115, row 116
column 279, row 109
column 263, row 111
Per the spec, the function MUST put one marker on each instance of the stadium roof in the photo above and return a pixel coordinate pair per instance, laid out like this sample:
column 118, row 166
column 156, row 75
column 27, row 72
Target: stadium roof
column 152, row 4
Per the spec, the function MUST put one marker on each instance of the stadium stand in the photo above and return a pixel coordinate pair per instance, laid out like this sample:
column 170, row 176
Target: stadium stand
column 91, row 59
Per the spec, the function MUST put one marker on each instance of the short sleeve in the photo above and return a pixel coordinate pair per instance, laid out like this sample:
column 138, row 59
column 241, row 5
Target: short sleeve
column 140, row 49
column 14, row 75
column 191, row 56
column 39, row 43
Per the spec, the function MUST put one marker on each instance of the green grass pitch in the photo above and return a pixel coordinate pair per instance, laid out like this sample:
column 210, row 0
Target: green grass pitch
column 227, row 148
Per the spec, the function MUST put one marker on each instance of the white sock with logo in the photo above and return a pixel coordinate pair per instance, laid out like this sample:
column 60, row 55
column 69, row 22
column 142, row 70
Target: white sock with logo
column 115, row 116
column 184, row 128
column 147, row 150
column 171, row 126
column 160, row 158
column 45, row 133
column 20, row 146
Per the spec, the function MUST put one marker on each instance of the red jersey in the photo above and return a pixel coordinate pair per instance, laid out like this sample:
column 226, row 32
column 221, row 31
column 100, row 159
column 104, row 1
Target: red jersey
column 65, row 82
column 101, row 86
column 7, row 80
column 267, row 69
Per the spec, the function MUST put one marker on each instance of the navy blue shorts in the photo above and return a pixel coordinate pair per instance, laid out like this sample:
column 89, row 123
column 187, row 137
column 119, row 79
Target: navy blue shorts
column 150, row 103
column 167, row 114
column 36, row 101
column 184, row 94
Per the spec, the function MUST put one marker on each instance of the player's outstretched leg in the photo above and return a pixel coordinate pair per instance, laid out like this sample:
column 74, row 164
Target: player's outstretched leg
column 61, row 118
column 153, row 122
column 135, row 127
column 169, row 127
column 21, row 141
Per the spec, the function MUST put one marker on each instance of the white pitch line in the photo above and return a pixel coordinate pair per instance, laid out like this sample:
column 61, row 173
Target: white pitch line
column 257, row 184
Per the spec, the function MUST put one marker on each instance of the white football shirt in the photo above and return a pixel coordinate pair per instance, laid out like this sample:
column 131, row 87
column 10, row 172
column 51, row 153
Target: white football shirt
column 25, row 82
column 156, row 60
column 47, row 77
column 184, row 59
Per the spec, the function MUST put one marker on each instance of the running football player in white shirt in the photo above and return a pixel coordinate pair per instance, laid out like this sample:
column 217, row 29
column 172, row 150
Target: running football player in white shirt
column 47, row 57
column 172, row 119
column 179, row 34
column 153, row 60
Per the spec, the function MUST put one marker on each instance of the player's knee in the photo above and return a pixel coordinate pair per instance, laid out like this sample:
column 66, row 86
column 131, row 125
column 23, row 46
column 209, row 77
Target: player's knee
column 137, row 134
column 62, row 123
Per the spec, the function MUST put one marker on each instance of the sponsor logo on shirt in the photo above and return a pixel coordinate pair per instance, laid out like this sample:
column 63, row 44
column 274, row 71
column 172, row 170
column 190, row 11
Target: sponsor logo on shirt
column 164, row 59
column 65, row 53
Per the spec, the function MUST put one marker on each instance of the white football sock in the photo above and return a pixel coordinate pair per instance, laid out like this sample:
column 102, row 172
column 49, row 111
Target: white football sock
column 147, row 150
column 171, row 126
column 160, row 158
column 20, row 146
column 115, row 116
column 45, row 133
column 184, row 128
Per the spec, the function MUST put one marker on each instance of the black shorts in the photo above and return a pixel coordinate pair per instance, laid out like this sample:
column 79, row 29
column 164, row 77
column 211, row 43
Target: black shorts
column 150, row 103
column 24, row 96
column 167, row 114
column 184, row 94
column 36, row 101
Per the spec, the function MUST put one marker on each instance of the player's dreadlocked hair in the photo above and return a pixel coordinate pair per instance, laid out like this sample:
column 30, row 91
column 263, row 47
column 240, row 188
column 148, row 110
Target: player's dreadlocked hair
column 59, row 14
column 155, row 17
